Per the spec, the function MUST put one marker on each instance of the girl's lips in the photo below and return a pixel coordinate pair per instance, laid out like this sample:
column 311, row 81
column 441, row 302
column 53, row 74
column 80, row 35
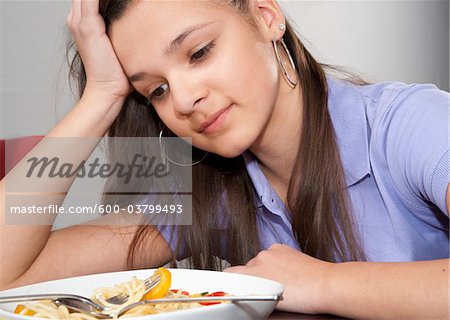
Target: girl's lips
column 214, row 122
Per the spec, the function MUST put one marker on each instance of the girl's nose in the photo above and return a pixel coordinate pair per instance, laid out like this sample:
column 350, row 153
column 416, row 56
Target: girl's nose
column 186, row 94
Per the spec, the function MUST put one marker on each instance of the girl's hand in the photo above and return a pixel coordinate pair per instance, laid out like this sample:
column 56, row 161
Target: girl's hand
column 104, row 73
column 304, row 277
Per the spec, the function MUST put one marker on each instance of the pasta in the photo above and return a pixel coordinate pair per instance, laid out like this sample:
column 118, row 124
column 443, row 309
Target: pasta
column 135, row 289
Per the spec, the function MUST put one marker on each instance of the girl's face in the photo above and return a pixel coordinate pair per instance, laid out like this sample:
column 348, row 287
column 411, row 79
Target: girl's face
column 207, row 72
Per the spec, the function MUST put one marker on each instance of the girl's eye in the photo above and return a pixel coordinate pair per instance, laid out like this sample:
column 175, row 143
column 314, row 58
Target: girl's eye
column 199, row 56
column 202, row 54
column 158, row 92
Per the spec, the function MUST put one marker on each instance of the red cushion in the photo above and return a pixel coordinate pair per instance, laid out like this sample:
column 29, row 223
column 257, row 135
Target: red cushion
column 17, row 149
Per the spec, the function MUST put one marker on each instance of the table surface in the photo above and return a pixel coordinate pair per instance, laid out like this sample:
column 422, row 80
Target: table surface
column 279, row 315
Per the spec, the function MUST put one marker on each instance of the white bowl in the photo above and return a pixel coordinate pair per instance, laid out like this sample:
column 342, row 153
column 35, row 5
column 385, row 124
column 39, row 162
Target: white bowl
column 193, row 281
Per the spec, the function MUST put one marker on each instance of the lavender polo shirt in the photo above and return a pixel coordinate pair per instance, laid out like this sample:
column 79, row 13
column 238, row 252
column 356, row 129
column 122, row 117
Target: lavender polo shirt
column 394, row 145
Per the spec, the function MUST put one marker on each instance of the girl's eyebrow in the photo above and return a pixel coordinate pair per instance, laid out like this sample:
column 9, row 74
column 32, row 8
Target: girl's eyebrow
column 173, row 46
column 176, row 43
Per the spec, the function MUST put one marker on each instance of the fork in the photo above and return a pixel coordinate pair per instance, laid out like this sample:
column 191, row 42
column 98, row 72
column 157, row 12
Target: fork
column 150, row 283
column 80, row 303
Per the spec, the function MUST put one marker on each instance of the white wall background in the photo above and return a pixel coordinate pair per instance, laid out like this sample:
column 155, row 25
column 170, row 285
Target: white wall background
column 385, row 40
column 404, row 40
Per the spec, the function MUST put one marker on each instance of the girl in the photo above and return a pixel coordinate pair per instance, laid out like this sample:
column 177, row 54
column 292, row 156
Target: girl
column 335, row 188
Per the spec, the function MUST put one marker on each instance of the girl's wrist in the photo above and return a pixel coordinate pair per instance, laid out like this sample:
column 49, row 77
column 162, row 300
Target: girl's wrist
column 102, row 98
column 91, row 117
column 101, row 106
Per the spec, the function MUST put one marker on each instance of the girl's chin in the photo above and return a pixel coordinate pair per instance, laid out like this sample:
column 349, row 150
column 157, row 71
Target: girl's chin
column 231, row 153
column 227, row 148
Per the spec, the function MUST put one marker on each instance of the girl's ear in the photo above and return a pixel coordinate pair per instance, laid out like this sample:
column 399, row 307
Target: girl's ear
column 269, row 16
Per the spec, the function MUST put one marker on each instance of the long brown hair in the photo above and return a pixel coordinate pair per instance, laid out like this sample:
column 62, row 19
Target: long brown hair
column 317, row 199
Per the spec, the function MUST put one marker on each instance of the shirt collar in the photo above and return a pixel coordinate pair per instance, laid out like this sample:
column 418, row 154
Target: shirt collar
column 256, row 175
column 347, row 110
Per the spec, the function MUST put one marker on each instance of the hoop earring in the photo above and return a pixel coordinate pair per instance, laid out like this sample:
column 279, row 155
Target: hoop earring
column 165, row 156
column 291, row 82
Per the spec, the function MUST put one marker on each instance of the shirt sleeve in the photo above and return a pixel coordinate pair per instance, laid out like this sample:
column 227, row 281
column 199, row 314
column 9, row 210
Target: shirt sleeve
column 415, row 126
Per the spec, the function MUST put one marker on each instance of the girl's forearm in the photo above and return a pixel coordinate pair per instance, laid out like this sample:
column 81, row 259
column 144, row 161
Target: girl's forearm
column 71, row 141
column 403, row 290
